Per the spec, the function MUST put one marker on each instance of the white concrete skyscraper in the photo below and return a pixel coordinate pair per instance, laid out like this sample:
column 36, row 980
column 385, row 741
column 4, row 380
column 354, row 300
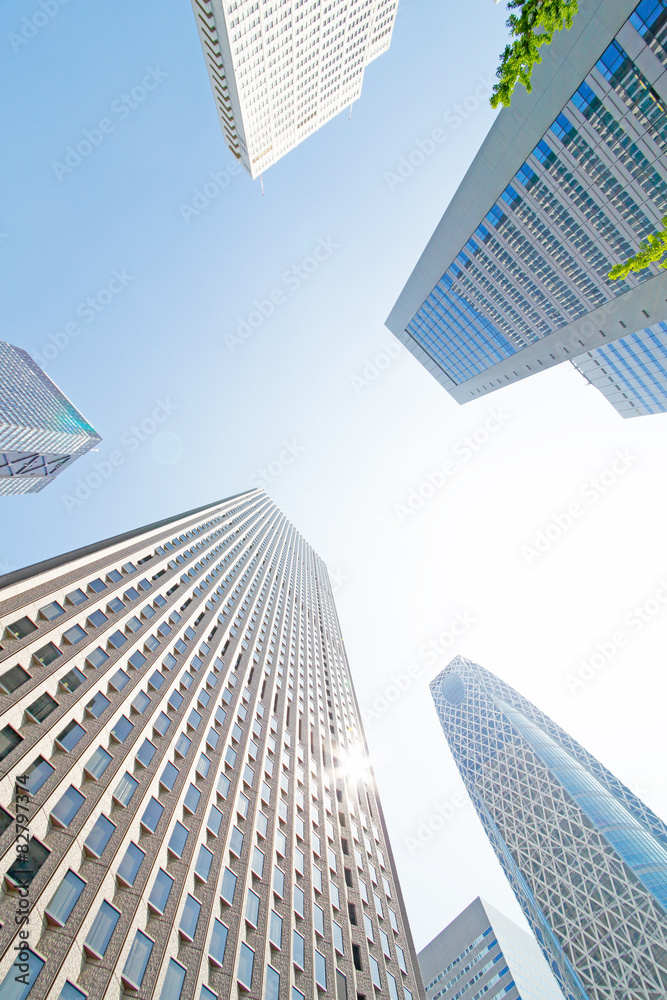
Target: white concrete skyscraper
column 181, row 741
column 280, row 69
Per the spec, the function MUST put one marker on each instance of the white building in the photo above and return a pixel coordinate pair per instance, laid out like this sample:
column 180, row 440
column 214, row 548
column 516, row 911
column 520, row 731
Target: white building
column 282, row 68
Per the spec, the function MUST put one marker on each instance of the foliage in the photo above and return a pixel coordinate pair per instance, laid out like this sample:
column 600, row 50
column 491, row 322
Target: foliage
column 650, row 251
column 533, row 27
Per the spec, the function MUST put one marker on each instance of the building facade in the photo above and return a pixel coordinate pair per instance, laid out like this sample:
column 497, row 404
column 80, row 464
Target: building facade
column 585, row 857
column 181, row 740
column 568, row 182
column 483, row 954
column 279, row 71
column 41, row 433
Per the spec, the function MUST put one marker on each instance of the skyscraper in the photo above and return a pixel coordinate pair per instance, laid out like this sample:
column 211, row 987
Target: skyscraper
column 40, row 431
column 568, row 182
column 482, row 953
column 585, row 857
column 181, row 739
column 281, row 70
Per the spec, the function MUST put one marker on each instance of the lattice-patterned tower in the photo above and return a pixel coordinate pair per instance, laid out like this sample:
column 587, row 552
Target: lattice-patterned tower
column 585, row 857
column 180, row 736
column 41, row 433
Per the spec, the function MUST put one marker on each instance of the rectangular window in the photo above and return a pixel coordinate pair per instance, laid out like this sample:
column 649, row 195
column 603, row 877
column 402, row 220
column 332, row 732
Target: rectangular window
column 152, row 814
column 97, row 705
column 146, row 752
column 11, row 989
column 318, row 919
column 9, row 739
column 217, row 948
column 169, row 776
column 137, row 960
column 204, row 861
column 118, row 680
column 236, row 842
column 161, row 724
column 67, row 807
column 178, row 840
column 192, row 797
column 276, row 929
column 246, row 963
column 299, row 901
column 122, row 729
column 252, row 908
column 278, row 881
column 25, row 867
column 70, row 736
column 71, row 680
column 391, row 983
column 99, row 836
column 375, row 972
column 131, row 863
column 125, row 789
column 223, row 786
column 38, row 773
column 173, row 981
column 52, row 611
column 41, row 708
column 183, row 744
column 228, row 886
column 338, row 937
column 257, row 862
column 47, row 654
column 203, row 765
column 368, row 924
column 385, row 943
column 65, row 899
column 320, row 970
column 190, row 917
column 401, row 959
column 160, row 891
column 96, row 657
column 13, row 679
column 298, row 950
column 100, row 933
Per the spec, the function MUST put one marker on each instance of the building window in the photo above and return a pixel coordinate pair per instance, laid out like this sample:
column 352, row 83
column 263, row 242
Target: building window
column 298, row 950
column 131, row 863
column 178, row 840
column 13, row 679
column 65, row 899
column 169, row 776
column 320, row 970
column 375, row 972
column 218, row 943
column 173, row 981
column 246, row 963
column 276, row 929
column 228, row 886
column 40, row 709
column 141, row 702
column 161, row 724
column 67, row 807
column 190, row 917
column 99, row 836
column 391, row 983
column 257, row 862
column 160, row 891
column 21, row 628
column 236, row 842
column 146, row 752
column 299, row 901
column 137, row 960
column 122, row 729
column 47, row 654
column 152, row 814
column 191, row 800
column 100, row 933
column 38, row 773
column 272, row 986
column 69, row 992
column 12, row 989
column 74, row 634
column 52, row 611
column 204, row 861
column 98, row 763
column 214, row 820
column 252, row 908
column 97, row 705
column 125, row 789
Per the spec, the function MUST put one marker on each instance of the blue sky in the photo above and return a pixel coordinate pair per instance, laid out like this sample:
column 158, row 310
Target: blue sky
column 320, row 404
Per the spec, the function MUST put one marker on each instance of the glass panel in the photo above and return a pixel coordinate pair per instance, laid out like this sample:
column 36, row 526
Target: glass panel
column 38, row 772
column 246, row 963
column 103, row 927
column 65, row 898
column 100, row 835
column 137, row 960
column 160, row 891
column 68, row 806
column 218, row 943
column 173, row 981
column 131, row 863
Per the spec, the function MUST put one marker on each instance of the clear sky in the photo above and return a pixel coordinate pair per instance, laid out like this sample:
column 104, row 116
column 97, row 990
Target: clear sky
column 301, row 406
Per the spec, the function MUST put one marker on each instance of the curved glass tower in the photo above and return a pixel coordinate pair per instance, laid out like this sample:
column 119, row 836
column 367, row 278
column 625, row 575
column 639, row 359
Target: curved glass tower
column 585, row 857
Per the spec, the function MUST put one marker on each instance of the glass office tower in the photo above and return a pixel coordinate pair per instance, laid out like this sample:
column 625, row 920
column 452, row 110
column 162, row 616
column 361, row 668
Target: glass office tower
column 41, row 433
column 568, row 182
column 181, row 740
column 585, row 857
column 483, row 954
